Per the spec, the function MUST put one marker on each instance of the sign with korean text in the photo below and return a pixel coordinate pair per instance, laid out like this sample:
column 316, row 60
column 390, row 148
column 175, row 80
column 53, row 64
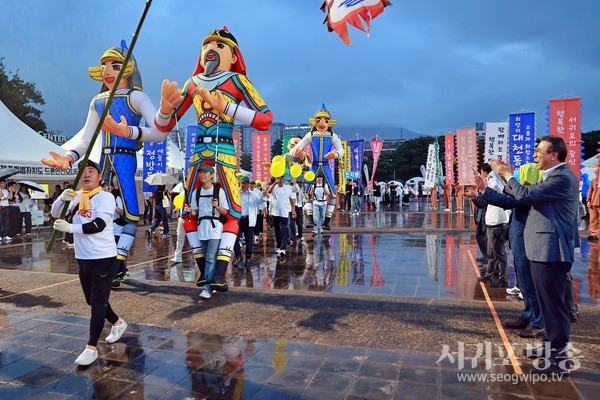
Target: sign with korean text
column 564, row 118
column 521, row 127
column 496, row 141
column 466, row 155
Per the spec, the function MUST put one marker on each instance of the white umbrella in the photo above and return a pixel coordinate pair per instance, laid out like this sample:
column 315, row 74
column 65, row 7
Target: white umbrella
column 160, row 178
column 178, row 188
column 32, row 185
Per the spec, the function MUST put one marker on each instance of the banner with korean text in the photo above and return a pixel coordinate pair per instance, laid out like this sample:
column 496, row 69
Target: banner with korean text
column 521, row 128
column 190, row 145
column 237, row 143
column 376, row 147
column 357, row 147
column 564, row 117
column 261, row 153
column 466, row 155
column 496, row 141
column 344, row 165
column 449, row 157
column 155, row 160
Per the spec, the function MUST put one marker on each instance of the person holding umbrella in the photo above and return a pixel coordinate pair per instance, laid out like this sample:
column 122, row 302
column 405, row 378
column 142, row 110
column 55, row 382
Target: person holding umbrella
column 4, row 196
column 120, row 132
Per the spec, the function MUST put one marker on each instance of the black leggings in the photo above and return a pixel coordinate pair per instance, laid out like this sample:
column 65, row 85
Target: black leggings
column 96, row 277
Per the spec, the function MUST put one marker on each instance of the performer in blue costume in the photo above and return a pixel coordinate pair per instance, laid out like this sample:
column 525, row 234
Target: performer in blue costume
column 118, row 159
column 325, row 146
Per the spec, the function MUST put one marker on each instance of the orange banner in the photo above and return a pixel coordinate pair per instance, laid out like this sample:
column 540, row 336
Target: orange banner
column 449, row 157
column 261, row 153
column 466, row 155
column 565, row 121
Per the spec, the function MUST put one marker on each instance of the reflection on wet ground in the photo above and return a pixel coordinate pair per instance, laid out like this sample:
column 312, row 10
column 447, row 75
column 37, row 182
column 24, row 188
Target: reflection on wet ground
column 431, row 255
column 409, row 254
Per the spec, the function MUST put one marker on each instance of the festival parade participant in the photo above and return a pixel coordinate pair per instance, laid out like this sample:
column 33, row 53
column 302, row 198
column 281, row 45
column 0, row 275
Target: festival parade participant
column 118, row 159
column 91, row 210
column 325, row 145
column 221, row 94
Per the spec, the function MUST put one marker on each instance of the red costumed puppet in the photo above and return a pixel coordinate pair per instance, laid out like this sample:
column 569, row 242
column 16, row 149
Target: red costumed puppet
column 221, row 94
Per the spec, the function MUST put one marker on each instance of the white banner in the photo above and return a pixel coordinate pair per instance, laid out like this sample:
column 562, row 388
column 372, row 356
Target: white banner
column 496, row 141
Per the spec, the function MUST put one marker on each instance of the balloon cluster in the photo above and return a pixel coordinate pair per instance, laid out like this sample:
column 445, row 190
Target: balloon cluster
column 277, row 169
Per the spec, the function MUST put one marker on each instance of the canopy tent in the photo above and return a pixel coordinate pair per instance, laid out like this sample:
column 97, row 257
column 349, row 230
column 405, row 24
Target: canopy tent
column 23, row 148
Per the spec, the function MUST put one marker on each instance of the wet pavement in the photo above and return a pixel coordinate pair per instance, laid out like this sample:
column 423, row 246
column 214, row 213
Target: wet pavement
column 362, row 313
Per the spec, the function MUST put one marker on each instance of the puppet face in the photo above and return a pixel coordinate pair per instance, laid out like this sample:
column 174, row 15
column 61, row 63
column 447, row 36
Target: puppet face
column 110, row 70
column 322, row 124
column 217, row 56
column 292, row 142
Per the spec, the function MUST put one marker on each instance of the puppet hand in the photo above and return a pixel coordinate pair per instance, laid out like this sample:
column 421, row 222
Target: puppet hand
column 120, row 129
column 299, row 154
column 170, row 97
column 332, row 155
column 58, row 161
column 68, row 195
column 63, row 226
column 216, row 100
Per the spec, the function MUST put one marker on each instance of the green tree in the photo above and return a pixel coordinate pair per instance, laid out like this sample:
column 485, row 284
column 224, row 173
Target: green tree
column 246, row 162
column 20, row 98
column 590, row 144
column 277, row 148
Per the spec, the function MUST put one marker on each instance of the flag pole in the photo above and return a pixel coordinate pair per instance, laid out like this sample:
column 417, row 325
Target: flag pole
column 103, row 116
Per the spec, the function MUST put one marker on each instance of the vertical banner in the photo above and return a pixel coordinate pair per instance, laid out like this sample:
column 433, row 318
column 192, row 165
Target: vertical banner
column 496, row 141
column 356, row 156
column 237, row 144
column 376, row 147
column 521, row 127
column 565, row 121
column 466, row 155
column 155, row 160
column 449, row 157
column 431, row 167
column 261, row 153
column 190, row 145
column 344, row 164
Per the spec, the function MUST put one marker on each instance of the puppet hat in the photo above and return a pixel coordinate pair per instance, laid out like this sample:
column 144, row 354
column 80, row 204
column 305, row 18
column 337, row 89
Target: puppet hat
column 322, row 113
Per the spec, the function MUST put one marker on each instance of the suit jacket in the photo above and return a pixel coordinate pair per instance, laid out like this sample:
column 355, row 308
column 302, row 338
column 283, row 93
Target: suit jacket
column 549, row 234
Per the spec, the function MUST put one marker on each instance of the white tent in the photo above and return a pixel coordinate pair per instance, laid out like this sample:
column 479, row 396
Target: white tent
column 22, row 148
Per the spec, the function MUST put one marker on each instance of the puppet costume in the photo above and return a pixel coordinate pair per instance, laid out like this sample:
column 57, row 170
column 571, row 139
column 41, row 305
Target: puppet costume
column 322, row 141
column 118, row 159
column 214, row 145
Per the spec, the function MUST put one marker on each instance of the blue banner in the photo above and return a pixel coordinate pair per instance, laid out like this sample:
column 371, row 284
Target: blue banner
column 522, row 138
column 190, row 144
column 356, row 157
column 155, row 160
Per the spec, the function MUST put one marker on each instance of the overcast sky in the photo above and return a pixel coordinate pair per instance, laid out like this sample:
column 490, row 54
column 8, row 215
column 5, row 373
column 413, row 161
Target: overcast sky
column 430, row 66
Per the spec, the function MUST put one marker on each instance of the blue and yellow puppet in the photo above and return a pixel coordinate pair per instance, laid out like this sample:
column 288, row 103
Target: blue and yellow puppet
column 325, row 145
column 220, row 93
column 118, row 159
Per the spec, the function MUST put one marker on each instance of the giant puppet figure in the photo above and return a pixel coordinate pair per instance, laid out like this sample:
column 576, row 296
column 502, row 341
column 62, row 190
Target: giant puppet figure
column 118, row 159
column 325, row 146
column 221, row 94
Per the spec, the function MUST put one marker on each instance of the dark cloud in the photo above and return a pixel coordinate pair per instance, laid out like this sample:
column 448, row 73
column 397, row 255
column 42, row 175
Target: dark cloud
column 429, row 66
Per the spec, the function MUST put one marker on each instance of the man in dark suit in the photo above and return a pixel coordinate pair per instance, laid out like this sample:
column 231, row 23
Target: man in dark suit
column 549, row 243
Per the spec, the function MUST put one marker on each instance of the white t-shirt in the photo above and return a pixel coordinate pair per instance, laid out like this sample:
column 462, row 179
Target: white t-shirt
column 92, row 246
column 203, row 206
column 281, row 206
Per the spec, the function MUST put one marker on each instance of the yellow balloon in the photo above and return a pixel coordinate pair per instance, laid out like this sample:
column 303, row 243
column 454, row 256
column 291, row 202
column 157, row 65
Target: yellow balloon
column 309, row 176
column 277, row 159
column 258, row 182
column 178, row 201
column 277, row 169
column 296, row 170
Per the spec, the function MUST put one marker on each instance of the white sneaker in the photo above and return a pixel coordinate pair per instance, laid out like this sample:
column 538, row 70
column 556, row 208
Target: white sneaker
column 176, row 260
column 7, row 239
column 204, row 294
column 87, row 357
column 513, row 290
column 521, row 295
column 116, row 332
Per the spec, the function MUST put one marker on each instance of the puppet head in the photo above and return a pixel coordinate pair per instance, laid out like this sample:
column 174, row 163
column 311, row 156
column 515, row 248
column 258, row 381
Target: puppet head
column 322, row 120
column 210, row 58
column 117, row 54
